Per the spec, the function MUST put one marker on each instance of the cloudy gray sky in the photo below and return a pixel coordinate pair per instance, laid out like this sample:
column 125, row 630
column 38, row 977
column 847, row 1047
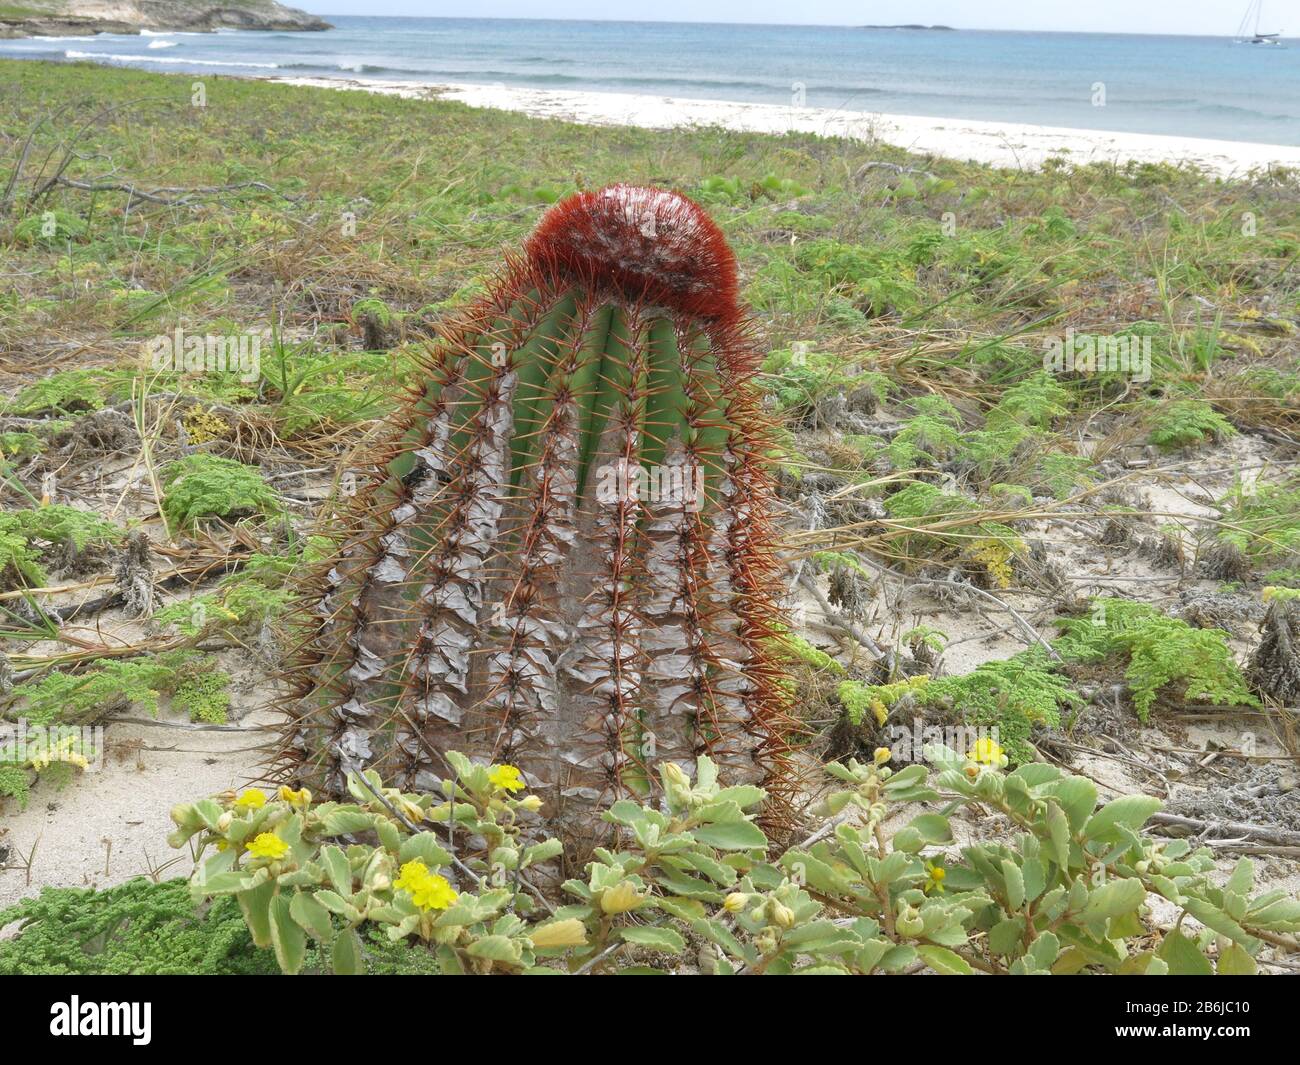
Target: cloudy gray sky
column 1214, row 17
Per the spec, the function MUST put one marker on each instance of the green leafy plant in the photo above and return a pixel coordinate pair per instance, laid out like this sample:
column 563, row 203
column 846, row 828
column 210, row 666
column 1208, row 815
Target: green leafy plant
column 944, row 527
column 1186, row 423
column 798, row 380
column 66, row 392
column 245, row 601
column 189, row 678
column 299, row 874
column 1264, row 522
column 148, row 928
column 881, row 280
column 1010, row 697
column 1163, row 655
column 50, row 228
column 203, row 486
column 30, row 538
column 1067, row 892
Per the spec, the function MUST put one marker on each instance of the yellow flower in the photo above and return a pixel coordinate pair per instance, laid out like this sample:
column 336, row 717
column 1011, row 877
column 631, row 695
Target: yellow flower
column 566, row 933
column 295, row 798
column 935, row 874
column 987, row 752
column 412, row 873
column 881, row 755
column 428, row 891
column 620, row 898
column 268, row 845
column 252, row 799
column 506, row 778
column 435, row 894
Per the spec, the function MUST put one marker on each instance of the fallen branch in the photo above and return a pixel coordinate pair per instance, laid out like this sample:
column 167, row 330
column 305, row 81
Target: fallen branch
column 134, row 192
column 1240, row 829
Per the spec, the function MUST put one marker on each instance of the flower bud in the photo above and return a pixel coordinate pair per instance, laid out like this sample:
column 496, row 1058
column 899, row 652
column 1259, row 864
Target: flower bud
column 881, row 755
column 735, row 902
column 531, row 803
column 909, row 922
column 782, row 915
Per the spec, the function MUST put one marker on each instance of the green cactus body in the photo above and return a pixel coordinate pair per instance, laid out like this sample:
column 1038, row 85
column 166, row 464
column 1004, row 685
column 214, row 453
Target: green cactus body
column 564, row 560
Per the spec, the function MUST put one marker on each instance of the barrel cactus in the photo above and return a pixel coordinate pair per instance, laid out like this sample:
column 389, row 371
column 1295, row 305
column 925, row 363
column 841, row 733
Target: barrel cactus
column 564, row 558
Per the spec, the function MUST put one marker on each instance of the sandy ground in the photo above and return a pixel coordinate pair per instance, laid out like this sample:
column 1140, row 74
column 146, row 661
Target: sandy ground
column 110, row 825
column 1003, row 144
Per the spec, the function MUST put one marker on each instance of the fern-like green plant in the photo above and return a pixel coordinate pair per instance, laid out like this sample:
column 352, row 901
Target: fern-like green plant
column 1035, row 402
column 203, row 486
column 29, row 537
column 1187, row 423
column 948, row 529
column 1162, row 654
column 59, row 697
column 1264, row 523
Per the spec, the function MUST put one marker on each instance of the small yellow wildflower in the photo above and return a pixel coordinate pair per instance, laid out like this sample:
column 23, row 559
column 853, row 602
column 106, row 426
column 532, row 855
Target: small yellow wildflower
column 252, row 799
column 935, row 874
column 566, row 933
column 428, row 891
column 621, row 898
column 301, row 797
column 413, row 873
column 435, row 894
column 987, row 751
column 268, row 845
column 881, row 755
column 506, row 778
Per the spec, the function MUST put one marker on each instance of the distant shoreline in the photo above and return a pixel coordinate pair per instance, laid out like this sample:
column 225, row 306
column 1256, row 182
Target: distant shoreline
column 53, row 18
column 911, row 26
column 1004, row 144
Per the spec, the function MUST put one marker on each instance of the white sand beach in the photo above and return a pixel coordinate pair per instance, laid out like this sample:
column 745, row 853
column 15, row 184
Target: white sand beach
column 1003, row 144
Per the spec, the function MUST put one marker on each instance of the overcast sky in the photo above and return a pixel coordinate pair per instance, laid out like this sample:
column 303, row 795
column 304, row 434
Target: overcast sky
column 1214, row 17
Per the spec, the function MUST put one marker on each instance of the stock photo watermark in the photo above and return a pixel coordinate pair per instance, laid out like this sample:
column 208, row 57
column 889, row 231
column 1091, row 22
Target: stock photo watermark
column 659, row 485
column 41, row 746
column 1092, row 353
column 920, row 742
column 195, row 353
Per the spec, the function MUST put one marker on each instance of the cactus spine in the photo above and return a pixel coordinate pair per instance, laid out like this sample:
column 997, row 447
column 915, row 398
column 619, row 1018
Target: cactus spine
column 564, row 558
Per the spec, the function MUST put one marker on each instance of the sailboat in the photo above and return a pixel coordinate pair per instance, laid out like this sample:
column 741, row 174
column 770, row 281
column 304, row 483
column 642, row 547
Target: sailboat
column 1246, row 35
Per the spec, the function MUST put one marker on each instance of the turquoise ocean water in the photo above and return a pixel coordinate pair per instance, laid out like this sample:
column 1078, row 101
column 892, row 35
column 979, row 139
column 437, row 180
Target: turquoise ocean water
column 1188, row 86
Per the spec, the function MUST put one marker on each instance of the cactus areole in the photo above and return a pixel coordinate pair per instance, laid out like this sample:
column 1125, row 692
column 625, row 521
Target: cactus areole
column 564, row 558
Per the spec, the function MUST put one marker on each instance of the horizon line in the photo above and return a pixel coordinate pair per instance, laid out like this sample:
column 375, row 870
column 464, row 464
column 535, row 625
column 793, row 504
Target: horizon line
column 906, row 27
